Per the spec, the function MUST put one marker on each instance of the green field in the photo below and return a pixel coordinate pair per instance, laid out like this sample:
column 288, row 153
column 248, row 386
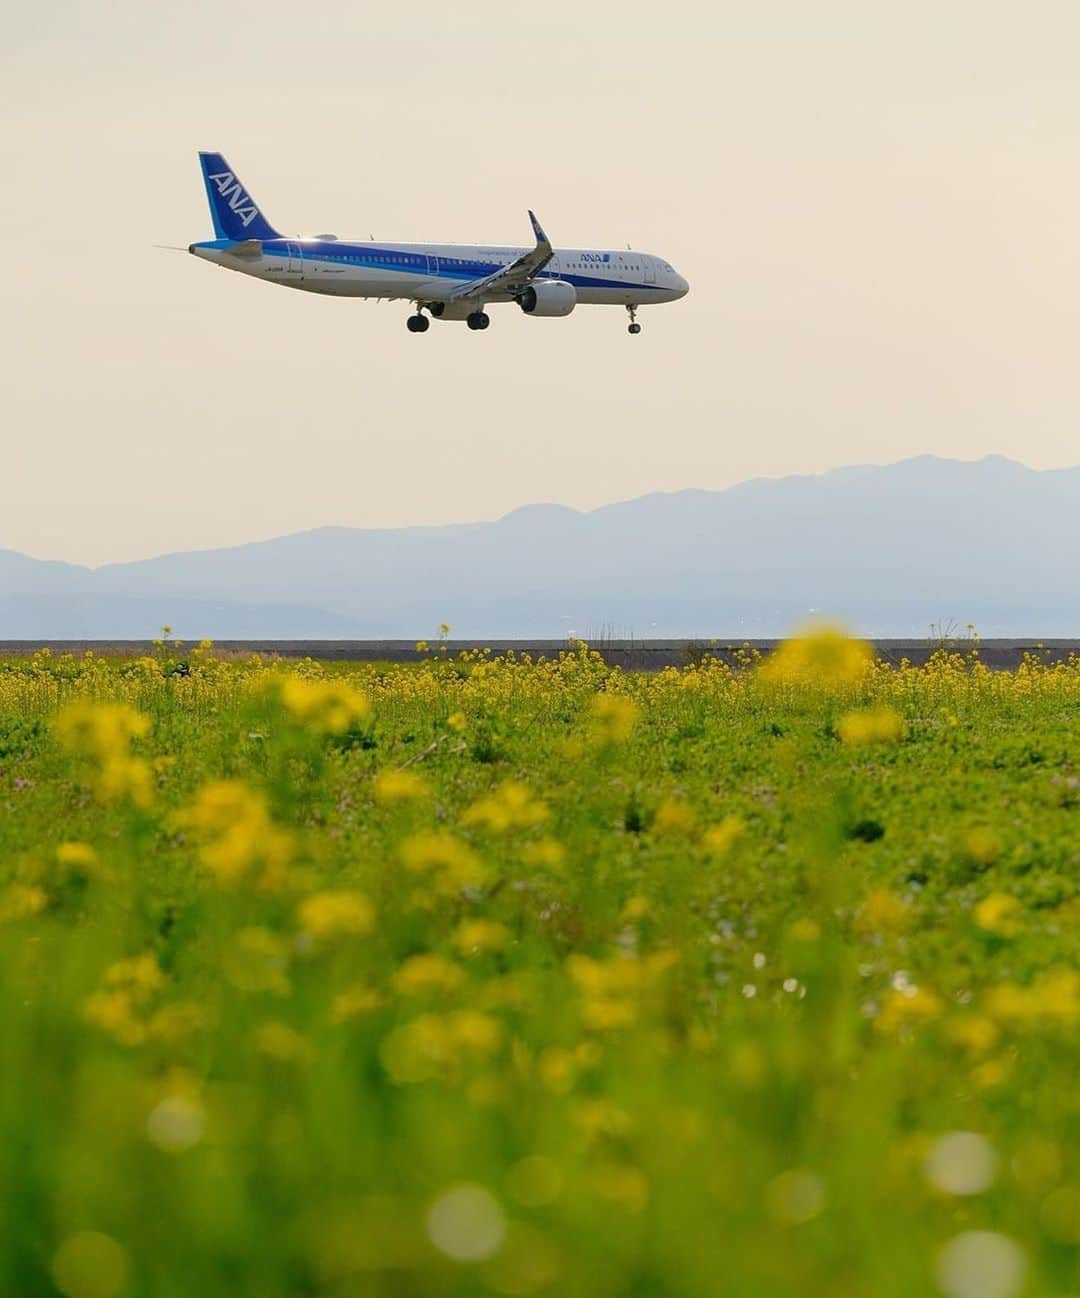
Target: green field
column 497, row 977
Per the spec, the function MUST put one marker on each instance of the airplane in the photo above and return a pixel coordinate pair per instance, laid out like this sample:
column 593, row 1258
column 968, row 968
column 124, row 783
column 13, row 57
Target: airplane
column 448, row 281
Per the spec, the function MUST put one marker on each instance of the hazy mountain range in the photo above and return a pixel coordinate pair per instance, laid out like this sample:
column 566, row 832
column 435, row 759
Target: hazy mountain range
column 891, row 550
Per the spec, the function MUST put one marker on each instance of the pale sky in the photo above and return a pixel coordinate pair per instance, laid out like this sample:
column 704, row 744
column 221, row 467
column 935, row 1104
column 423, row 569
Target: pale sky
column 877, row 206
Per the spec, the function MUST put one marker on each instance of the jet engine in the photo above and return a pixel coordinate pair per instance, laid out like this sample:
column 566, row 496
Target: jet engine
column 548, row 297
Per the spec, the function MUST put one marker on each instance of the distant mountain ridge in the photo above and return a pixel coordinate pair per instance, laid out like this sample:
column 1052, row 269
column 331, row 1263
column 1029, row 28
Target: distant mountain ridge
column 890, row 549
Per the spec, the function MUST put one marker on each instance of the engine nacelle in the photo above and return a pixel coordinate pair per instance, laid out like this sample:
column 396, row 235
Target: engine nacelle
column 548, row 297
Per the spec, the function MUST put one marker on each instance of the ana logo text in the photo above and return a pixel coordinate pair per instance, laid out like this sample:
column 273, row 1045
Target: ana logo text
column 596, row 256
column 229, row 187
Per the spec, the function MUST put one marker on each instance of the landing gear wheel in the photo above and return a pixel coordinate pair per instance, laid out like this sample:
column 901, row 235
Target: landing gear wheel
column 634, row 328
column 478, row 320
column 418, row 324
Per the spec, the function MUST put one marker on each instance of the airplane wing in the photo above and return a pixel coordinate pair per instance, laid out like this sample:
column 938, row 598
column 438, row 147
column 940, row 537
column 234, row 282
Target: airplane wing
column 516, row 277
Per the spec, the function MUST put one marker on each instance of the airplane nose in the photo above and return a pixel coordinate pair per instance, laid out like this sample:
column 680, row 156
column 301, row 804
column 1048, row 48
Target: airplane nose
column 682, row 286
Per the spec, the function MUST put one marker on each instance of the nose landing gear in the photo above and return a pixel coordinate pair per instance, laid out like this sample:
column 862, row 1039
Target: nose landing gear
column 634, row 327
column 418, row 324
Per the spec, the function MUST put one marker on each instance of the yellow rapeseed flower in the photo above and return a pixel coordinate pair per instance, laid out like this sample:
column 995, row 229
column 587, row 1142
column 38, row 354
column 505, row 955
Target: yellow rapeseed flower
column 327, row 706
column 103, row 733
column 907, row 1007
column 613, row 718
column 21, row 901
column 673, row 817
column 821, row 655
column 233, row 824
column 511, row 806
column 355, row 1001
column 719, row 839
column 399, row 786
column 999, row 914
column 475, row 935
column 982, row 845
column 882, row 912
column 545, row 853
column 427, row 975
column 453, row 864
column 336, row 914
column 878, row 725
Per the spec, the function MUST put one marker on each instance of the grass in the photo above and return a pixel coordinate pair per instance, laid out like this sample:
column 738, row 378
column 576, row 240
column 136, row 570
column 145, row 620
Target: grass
column 507, row 977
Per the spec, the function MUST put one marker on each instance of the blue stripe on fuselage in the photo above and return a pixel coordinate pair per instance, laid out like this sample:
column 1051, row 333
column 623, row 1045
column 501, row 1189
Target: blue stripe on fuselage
column 376, row 257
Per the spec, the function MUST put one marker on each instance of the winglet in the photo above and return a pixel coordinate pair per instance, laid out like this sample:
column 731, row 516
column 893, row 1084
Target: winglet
column 542, row 241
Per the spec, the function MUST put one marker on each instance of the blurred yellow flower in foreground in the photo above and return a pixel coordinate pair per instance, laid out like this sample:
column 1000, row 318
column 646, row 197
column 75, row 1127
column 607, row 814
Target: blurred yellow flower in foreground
column 453, row 864
column 1054, row 996
column 719, row 839
column 399, row 786
column 870, row 726
column 20, row 901
column 822, row 655
column 233, row 824
column 982, row 845
column 474, row 935
column 336, row 914
column 673, row 817
column 103, row 734
column 511, row 806
column 882, row 912
column 999, row 913
column 330, row 707
column 613, row 718
column 427, row 975
column 907, row 1007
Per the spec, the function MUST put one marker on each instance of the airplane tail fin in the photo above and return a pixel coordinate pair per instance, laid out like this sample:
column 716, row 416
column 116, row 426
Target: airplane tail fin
column 234, row 212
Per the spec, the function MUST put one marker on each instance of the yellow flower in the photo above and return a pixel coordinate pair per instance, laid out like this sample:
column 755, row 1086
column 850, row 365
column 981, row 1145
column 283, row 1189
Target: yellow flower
column 475, row 935
column 907, row 1007
column 673, row 817
column 103, row 733
column 511, row 806
column 1000, row 914
column 822, row 655
column 355, row 1001
column 427, row 975
column 336, row 914
column 719, row 839
column 805, row 930
column 882, row 912
column 982, row 845
column 280, row 1042
column 330, row 707
column 973, row 1032
column 545, row 853
column 20, row 901
column 456, row 721
column 452, row 863
column 870, row 726
column 233, row 824
column 140, row 974
column 1053, row 997
column 613, row 718
column 99, row 730
column 76, row 854
column 636, row 908
column 399, row 786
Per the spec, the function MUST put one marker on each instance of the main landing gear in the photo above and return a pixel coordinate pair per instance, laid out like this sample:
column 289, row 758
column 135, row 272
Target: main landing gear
column 418, row 324
column 634, row 327
column 478, row 320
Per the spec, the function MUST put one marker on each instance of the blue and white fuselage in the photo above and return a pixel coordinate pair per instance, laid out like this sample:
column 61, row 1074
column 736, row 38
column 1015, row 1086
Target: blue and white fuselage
column 450, row 282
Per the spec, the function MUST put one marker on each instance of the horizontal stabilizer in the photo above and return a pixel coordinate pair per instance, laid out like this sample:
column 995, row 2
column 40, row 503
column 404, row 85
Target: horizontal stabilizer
column 249, row 248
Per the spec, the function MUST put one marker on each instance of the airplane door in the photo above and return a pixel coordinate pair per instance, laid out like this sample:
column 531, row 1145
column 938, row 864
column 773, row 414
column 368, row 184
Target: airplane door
column 650, row 270
column 432, row 265
column 294, row 266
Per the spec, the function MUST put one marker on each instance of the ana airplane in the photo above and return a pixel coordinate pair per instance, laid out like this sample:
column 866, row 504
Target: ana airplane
column 449, row 282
